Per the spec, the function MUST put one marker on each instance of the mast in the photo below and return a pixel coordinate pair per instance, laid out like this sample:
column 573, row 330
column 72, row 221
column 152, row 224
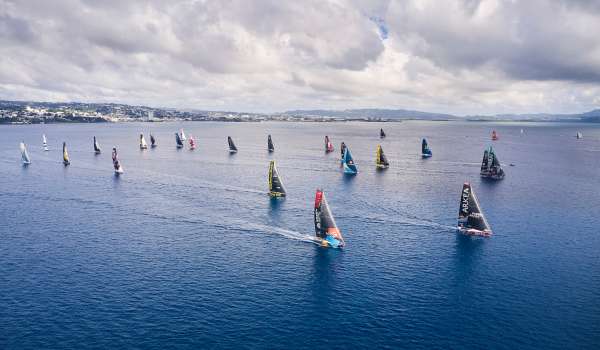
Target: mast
column 96, row 146
column 325, row 226
column 24, row 155
column 65, row 155
column 470, row 216
column 232, row 148
column 276, row 188
column 270, row 146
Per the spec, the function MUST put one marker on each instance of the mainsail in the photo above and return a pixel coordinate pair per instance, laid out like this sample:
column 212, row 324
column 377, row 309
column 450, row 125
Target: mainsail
column 490, row 165
column 470, row 217
column 232, row 148
column 143, row 144
column 348, row 163
column 328, row 145
column 24, row 155
column 425, row 150
column 380, row 158
column 381, row 134
column 116, row 163
column 96, row 146
column 44, row 142
column 152, row 141
column 178, row 140
column 325, row 227
column 65, row 155
column 192, row 143
column 276, row 188
column 270, row 146
column 182, row 135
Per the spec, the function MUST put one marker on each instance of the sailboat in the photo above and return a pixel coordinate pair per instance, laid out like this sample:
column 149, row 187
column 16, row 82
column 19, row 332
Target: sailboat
column 425, row 150
column 380, row 159
column 342, row 150
column 381, row 134
column 65, row 155
column 192, row 143
column 152, row 141
column 270, row 146
column 24, row 155
column 276, row 188
column 471, row 220
column 182, row 135
column 579, row 135
column 490, row 165
column 328, row 145
column 96, row 146
column 232, row 148
column 116, row 164
column 143, row 144
column 348, row 163
column 178, row 140
column 325, row 228
column 494, row 135
column 44, row 142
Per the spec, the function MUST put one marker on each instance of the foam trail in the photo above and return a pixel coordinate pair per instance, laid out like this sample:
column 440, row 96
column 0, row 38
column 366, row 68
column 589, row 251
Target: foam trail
column 283, row 232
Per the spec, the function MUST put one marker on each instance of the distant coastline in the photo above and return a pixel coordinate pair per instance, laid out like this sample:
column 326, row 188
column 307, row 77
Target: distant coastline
column 29, row 112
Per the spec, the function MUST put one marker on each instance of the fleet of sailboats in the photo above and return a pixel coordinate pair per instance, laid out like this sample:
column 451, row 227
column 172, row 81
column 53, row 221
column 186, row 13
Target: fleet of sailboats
column 380, row 159
column 276, row 188
column 471, row 220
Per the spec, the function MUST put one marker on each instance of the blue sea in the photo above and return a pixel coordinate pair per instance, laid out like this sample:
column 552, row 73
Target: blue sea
column 186, row 250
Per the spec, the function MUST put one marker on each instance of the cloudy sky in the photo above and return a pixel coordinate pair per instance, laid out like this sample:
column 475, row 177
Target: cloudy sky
column 452, row 56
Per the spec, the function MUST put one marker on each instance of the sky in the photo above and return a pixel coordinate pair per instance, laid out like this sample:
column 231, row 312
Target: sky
column 461, row 57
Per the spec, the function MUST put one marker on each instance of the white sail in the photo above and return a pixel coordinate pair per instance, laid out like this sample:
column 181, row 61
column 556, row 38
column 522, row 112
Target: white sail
column 24, row 154
column 182, row 135
column 143, row 144
column 45, row 142
column 579, row 135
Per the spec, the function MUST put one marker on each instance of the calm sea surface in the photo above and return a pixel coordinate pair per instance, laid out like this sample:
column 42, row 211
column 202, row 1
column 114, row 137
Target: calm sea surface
column 186, row 249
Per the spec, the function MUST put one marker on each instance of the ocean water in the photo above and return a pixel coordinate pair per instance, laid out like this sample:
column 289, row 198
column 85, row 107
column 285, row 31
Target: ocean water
column 186, row 250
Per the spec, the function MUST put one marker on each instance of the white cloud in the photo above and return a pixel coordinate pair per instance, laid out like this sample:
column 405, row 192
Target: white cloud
column 461, row 56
